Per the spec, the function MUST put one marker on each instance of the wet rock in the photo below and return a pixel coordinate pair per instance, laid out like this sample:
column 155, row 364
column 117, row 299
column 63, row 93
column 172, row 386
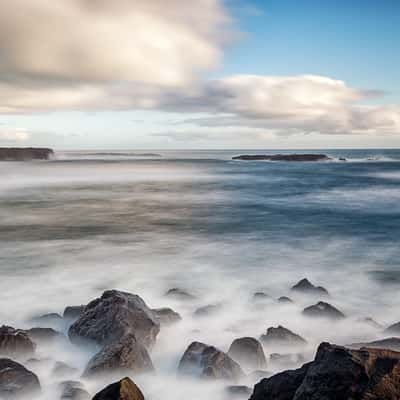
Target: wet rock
column 50, row 320
column 179, row 294
column 305, row 286
column 207, row 310
column 114, row 315
column 337, row 373
column 206, row 361
column 284, row 299
column 15, row 342
column 73, row 390
column 73, row 312
column 282, row 157
column 166, row 316
column 393, row 329
column 238, row 391
column 323, row 310
column 282, row 336
column 248, row 352
column 125, row 389
column 62, row 369
column 44, row 334
column 25, row 153
column 126, row 355
column 16, row 380
column 392, row 343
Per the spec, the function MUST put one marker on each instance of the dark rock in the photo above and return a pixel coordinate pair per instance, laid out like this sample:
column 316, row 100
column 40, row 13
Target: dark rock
column 44, row 334
column 179, row 294
column 393, row 329
column 342, row 159
column 337, row 373
column 261, row 296
column 50, row 320
column 62, row 369
column 284, row 299
column 73, row 312
column 166, row 316
column 282, row 157
column 73, row 390
column 25, row 153
column 392, row 343
column 248, row 352
column 15, row 342
column 323, row 310
column 207, row 310
column 113, row 316
column 305, row 286
column 282, row 335
column 125, row 389
column 208, row 362
column 126, row 355
column 16, row 380
column 238, row 391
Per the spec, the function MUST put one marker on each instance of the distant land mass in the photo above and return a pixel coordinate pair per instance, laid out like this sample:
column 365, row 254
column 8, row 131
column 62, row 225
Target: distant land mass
column 282, row 157
column 25, row 153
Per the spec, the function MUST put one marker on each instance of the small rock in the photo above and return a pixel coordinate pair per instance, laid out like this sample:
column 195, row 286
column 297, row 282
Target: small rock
column 73, row 312
column 206, row 311
column 238, row 391
column 44, row 334
column 179, row 294
column 166, row 316
column 248, row 352
column 282, row 336
column 62, row 369
column 261, row 296
column 284, row 299
column 16, row 380
column 305, row 286
column 15, row 342
column 73, row 390
column 324, row 310
column 125, row 389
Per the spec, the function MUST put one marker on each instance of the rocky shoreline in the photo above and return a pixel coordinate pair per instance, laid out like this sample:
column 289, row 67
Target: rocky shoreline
column 122, row 329
column 25, row 153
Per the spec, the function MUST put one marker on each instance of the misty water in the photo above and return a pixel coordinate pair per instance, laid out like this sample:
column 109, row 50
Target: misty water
column 222, row 230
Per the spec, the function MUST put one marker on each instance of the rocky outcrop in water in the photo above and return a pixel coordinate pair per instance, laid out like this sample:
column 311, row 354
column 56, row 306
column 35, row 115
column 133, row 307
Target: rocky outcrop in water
column 337, row 373
column 114, row 315
column 282, row 336
column 16, row 380
column 25, row 153
column 282, row 157
column 166, row 316
column 179, row 294
column 44, row 334
column 15, row 342
column 323, row 310
column 305, row 286
column 206, row 361
column 73, row 312
column 73, row 390
column 125, row 389
column 248, row 352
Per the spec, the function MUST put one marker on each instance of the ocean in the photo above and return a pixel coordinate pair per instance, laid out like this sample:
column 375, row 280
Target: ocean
column 220, row 229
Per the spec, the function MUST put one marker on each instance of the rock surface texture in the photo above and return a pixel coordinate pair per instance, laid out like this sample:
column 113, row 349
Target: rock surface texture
column 15, row 342
column 125, row 389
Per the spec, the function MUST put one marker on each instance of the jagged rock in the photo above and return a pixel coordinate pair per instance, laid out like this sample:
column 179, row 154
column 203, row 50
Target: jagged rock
column 238, row 391
column 324, row 310
column 16, row 380
column 282, row 157
column 44, row 334
column 248, row 352
column 73, row 390
column 73, row 312
column 281, row 335
column 393, row 329
column 114, row 315
column 179, row 294
column 392, row 343
column 25, row 153
column 166, row 316
column 125, row 389
column 123, row 356
column 50, row 320
column 62, row 369
column 285, row 299
column 337, row 373
column 206, row 311
column 208, row 362
column 305, row 286
column 15, row 342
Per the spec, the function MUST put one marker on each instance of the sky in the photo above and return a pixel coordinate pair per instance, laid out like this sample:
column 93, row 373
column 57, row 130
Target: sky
column 204, row 74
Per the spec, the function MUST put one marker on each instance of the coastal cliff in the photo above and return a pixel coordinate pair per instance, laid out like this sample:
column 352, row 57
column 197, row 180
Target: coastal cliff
column 25, row 153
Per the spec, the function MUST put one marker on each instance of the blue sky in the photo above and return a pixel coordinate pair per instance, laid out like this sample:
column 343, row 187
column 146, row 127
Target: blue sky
column 144, row 91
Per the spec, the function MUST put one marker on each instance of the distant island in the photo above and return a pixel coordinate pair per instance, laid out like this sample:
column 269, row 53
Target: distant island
column 282, row 157
column 25, row 153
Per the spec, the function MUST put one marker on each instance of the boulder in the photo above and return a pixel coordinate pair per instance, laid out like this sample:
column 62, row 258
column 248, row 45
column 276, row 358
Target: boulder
column 248, row 352
column 323, row 310
column 393, row 329
column 285, row 299
column 207, row 310
column 44, row 334
column 392, row 343
column 166, row 316
column 125, row 389
column 126, row 355
column 337, row 373
column 25, row 153
column 114, row 315
column 73, row 312
column 179, row 294
column 305, row 286
column 16, row 380
column 207, row 361
column 282, row 336
column 15, row 342
column 73, row 390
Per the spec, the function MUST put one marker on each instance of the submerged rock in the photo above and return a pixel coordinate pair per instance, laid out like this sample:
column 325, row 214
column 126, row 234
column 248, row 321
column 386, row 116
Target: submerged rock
column 282, row 336
column 323, row 310
column 248, row 352
column 126, row 355
column 261, row 296
column 305, row 286
column 25, row 153
column 282, row 157
column 73, row 312
column 125, row 389
column 63, row 369
column 16, row 380
column 15, row 342
column 206, row 361
column 50, row 320
column 337, row 373
column 166, row 316
column 207, row 310
column 179, row 294
column 285, row 299
column 238, row 391
column 44, row 334
column 73, row 390
column 114, row 315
